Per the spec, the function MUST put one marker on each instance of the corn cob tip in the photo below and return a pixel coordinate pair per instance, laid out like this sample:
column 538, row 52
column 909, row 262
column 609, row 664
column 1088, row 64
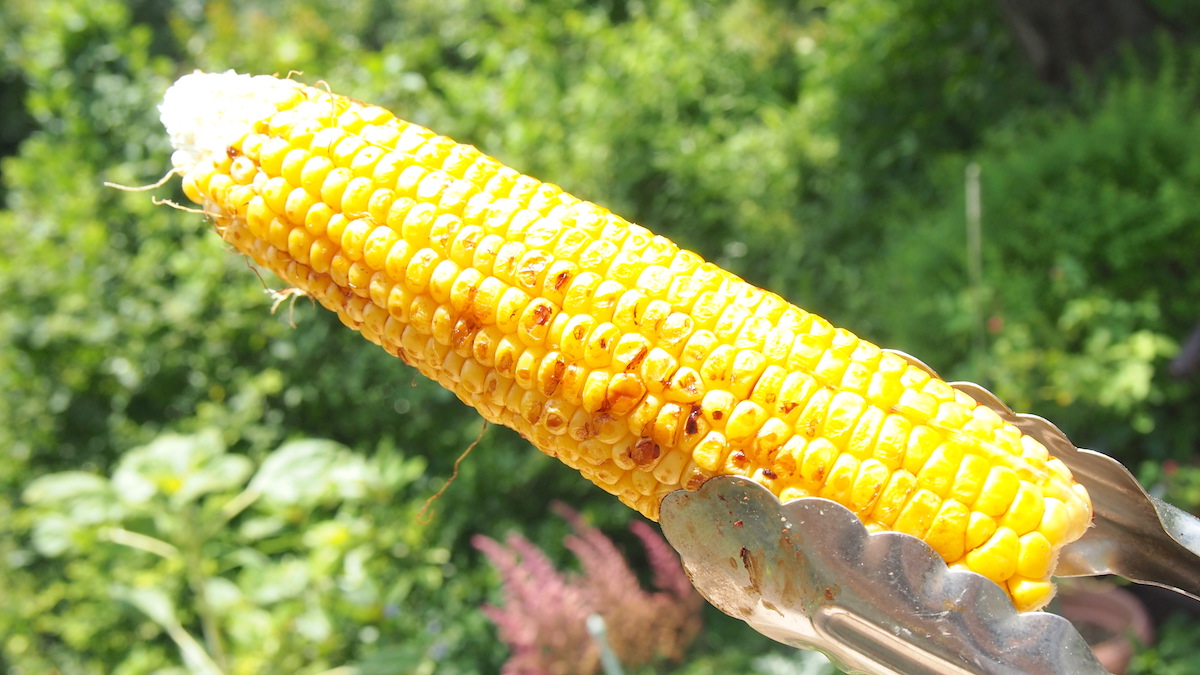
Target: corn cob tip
column 205, row 112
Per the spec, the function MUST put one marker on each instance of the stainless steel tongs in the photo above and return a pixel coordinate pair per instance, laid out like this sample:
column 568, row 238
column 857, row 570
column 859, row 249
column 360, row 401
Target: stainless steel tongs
column 808, row 574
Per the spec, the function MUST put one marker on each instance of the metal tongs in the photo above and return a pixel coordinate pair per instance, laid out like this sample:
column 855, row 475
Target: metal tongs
column 808, row 574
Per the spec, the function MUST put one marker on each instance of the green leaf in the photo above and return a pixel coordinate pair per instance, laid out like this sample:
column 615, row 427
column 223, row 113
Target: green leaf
column 61, row 487
column 82, row 498
column 222, row 473
column 332, row 534
column 253, row 627
column 314, row 624
column 253, row 529
column 269, row 584
column 54, row 535
column 224, row 596
column 152, row 602
column 303, row 473
column 164, row 466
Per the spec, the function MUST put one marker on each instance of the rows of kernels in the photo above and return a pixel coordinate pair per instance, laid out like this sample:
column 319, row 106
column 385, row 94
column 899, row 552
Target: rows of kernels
column 555, row 317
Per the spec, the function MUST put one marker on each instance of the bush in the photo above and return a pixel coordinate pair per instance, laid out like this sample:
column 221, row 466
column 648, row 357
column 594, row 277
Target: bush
column 1088, row 230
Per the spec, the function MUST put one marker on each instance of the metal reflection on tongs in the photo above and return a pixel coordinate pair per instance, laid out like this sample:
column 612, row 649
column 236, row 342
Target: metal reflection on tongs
column 809, row 574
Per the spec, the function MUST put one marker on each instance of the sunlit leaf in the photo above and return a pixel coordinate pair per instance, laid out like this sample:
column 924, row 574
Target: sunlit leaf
column 301, row 473
column 54, row 535
column 163, row 466
column 252, row 628
column 221, row 473
column 152, row 602
column 224, row 596
column 64, row 486
column 314, row 624
column 266, row 585
column 253, row 529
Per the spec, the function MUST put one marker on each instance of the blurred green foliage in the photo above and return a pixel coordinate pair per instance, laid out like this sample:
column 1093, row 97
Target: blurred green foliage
column 290, row 566
column 819, row 151
column 1090, row 228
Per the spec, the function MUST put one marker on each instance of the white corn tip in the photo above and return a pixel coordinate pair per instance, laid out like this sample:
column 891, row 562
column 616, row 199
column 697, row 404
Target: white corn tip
column 205, row 112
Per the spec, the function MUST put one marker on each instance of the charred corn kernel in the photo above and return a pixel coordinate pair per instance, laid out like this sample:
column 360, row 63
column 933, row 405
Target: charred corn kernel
column 637, row 363
column 819, row 458
column 868, row 486
column 768, row 439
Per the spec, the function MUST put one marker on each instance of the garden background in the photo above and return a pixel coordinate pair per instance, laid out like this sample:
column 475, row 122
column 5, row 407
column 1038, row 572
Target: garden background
column 189, row 481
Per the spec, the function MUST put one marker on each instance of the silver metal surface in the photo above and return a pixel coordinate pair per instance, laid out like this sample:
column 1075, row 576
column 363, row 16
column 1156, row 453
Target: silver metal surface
column 808, row 574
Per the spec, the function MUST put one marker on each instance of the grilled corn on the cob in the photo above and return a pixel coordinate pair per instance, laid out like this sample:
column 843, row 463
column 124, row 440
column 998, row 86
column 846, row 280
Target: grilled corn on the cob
column 637, row 363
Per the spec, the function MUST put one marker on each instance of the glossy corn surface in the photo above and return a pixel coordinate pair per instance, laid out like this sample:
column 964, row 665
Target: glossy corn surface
column 639, row 364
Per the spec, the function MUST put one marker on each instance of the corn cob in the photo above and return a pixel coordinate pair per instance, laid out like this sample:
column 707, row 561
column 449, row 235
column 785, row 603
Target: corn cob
column 639, row 364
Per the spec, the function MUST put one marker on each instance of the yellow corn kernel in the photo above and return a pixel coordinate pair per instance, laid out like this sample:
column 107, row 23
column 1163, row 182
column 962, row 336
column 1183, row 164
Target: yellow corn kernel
column 794, row 393
column 940, row 470
column 894, row 498
column 863, row 438
column 638, row 363
column 1025, row 512
column 1035, row 556
column 893, row 438
column 868, row 486
column 980, row 528
column 1055, row 520
column 710, row 454
column 744, row 421
column 788, row 459
column 968, row 481
column 998, row 492
column 947, row 532
column 773, row 433
column 844, row 412
column 819, row 458
column 996, row 558
column 1029, row 592
column 685, row 386
column 922, row 441
column 917, row 515
column 840, row 481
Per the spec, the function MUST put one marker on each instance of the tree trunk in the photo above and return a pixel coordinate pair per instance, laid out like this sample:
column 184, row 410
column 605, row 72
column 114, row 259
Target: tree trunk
column 1059, row 36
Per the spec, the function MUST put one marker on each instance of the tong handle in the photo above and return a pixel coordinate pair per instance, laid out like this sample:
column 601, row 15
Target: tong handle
column 808, row 574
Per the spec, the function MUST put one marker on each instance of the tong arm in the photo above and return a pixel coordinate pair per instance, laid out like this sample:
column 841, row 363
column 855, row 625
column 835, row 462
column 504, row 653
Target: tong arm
column 808, row 574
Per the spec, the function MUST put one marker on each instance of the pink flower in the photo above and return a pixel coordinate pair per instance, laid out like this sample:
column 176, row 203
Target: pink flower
column 543, row 618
